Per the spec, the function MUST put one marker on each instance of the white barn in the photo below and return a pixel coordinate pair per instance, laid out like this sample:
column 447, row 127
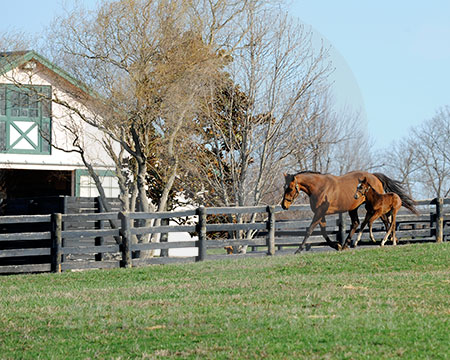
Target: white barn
column 29, row 165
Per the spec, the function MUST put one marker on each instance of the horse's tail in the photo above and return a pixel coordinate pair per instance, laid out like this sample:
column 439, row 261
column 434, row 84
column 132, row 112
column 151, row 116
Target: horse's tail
column 390, row 185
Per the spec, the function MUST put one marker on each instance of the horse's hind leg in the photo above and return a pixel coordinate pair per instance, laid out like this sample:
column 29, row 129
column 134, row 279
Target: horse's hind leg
column 370, row 232
column 386, row 222
column 394, row 236
column 323, row 230
column 316, row 219
column 387, row 234
column 355, row 222
column 391, row 230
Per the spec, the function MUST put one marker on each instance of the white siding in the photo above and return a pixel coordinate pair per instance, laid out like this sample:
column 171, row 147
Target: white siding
column 57, row 160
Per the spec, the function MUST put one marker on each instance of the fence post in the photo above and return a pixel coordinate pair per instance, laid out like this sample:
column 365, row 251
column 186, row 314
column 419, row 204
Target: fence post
column 65, row 210
column 99, row 240
column 56, row 224
column 201, row 231
column 164, row 238
column 439, row 220
column 271, row 230
column 126, row 240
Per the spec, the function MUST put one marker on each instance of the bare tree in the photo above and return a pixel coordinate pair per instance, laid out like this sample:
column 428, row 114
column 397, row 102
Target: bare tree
column 352, row 147
column 430, row 142
column 333, row 140
column 399, row 160
column 14, row 41
column 255, row 121
column 421, row 160
column 149, row 63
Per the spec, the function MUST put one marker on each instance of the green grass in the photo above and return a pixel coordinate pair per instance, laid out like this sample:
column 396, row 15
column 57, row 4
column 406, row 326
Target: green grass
column 368, row 304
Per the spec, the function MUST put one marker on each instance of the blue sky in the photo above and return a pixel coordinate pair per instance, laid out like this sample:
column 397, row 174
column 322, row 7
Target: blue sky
column 392, row 58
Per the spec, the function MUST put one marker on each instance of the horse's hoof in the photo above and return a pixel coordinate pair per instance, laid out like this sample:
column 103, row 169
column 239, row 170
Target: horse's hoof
column 298, row 251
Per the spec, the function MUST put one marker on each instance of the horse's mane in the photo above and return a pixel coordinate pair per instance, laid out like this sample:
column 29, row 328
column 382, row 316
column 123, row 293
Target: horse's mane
column 308, row 172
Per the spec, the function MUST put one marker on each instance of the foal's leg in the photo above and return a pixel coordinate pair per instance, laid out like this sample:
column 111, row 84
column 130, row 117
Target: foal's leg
column 370, row 232
column 386, row 222
column 373, row 217
column 391, row 230
column 387, row 235
column 363, row 225
column 394, row 237
column 316, row 219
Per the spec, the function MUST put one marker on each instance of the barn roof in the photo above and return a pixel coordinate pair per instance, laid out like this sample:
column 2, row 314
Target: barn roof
column 10, row 60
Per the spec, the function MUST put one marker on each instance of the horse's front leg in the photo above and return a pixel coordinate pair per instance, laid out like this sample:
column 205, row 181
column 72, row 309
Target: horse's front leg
column 316, row 219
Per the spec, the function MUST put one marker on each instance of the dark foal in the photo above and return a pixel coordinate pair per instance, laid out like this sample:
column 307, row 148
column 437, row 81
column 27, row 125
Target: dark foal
column 378, row 205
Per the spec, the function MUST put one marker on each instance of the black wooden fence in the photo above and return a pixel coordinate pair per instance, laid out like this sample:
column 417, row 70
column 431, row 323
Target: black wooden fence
column 56, row 204
column 59, row 242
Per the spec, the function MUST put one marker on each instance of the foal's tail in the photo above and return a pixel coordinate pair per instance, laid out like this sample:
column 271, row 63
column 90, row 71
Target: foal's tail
column 390, row 185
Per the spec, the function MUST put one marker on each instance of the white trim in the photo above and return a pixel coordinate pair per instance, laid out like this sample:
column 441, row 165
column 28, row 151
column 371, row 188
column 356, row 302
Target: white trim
column 47, row 166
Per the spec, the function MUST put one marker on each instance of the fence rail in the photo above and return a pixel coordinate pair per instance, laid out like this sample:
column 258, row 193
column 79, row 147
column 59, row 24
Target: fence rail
column 59, row 242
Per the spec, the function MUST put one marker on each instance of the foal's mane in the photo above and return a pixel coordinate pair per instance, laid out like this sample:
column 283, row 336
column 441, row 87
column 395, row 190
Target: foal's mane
column 366, row 182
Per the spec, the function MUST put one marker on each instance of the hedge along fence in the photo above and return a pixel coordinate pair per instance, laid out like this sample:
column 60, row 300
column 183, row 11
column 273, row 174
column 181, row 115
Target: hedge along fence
column 41, row 243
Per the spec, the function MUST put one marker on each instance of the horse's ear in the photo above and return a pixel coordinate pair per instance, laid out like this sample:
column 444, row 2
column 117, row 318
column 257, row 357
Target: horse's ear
column 285, row 175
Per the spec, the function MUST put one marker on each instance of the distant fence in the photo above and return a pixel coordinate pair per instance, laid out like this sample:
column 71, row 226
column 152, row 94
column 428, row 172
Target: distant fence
column 56, row 204
column 60, row 242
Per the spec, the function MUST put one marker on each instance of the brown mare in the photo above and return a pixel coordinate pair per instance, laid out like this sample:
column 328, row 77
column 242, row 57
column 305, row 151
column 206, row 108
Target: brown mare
column 378, row 205
column 329, row 194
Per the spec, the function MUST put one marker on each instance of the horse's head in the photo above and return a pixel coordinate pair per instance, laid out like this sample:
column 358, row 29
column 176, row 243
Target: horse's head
column 362, row 188
column 291, row 191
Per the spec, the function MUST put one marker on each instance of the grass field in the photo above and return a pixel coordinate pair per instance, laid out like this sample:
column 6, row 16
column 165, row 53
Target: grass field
column 367, row 304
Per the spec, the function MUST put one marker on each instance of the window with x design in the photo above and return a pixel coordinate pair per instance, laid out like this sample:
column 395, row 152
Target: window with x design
column 25, row 119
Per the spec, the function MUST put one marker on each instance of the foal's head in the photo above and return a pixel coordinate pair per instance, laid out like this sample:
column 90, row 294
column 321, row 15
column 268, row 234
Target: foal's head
column 362, row 188
column 291, row 191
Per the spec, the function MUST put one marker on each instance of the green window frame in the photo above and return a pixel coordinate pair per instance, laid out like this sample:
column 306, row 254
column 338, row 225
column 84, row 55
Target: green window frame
column 85, row 186
column 25, row 119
